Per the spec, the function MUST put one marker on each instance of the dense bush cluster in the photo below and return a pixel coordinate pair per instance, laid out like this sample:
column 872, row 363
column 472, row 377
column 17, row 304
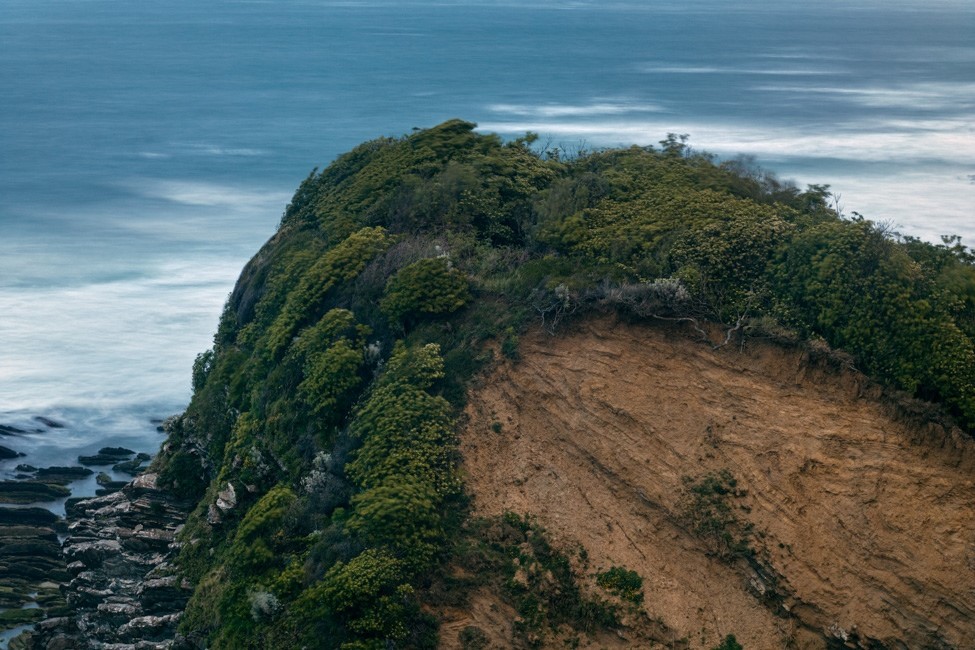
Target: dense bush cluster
column 327, row 403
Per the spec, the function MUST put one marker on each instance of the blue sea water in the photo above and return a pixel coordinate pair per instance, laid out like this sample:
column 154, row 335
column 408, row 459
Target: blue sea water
column 147, row 149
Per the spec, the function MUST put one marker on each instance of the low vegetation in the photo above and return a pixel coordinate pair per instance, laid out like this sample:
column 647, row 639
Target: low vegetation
column 327, row 404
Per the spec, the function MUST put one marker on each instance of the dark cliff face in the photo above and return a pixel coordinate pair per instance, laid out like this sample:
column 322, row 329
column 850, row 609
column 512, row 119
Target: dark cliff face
column 320, row 446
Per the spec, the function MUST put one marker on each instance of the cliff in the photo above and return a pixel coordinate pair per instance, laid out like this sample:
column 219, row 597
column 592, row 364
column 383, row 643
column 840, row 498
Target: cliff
column 472, row 394
column 859, row 520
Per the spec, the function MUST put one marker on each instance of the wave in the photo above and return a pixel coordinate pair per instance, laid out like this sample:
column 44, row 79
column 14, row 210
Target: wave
column 568, row 110
column 111, row 343
column 657, row 68
column 947, row 140
column 198, row 193
column 956, row 98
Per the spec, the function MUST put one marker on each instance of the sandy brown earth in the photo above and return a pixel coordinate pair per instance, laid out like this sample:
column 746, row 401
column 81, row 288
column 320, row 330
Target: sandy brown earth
column 868, row 521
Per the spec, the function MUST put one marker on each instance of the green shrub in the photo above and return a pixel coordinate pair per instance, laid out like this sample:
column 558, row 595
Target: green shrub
column 425, row 288
column 708, row 509
column 626, row 584
column 729, row 643
column 473, row 638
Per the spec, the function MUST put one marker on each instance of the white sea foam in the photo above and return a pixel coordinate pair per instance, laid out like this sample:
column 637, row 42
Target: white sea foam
column 920, row 204
column 199, row 193
column 111, row 343
column 582, row 110
column 883, row 153
column 662, row 68
column 951, row 141
column 956, row 98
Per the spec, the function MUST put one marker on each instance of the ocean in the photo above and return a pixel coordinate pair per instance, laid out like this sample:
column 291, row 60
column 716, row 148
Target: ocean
column 147, row 149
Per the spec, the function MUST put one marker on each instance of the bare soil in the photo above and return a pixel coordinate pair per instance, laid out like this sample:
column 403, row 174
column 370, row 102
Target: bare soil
column 864, row 522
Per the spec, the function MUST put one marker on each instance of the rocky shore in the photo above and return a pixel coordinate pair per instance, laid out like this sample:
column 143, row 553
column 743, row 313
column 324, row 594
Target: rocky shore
column 113, row 570
column 38, row 545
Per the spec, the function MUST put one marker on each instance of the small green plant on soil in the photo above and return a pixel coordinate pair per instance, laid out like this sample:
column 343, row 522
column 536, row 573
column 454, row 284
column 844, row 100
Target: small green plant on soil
column 708, row 508
column 621, row 582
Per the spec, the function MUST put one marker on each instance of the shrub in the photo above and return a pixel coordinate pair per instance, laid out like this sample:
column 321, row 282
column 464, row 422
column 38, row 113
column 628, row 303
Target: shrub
column 729, row 643
column 626, row 584
column 425, row 288
column 707, row 509
column 473, row 638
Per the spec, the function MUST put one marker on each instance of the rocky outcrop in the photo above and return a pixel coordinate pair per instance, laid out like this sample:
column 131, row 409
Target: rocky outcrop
column 31, row 566
column 123, row 592
column 862, row 533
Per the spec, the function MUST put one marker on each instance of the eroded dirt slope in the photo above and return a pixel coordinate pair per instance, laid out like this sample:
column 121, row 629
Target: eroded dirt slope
column 867, row 520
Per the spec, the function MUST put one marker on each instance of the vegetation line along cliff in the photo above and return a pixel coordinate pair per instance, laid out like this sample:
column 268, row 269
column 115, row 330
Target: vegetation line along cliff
column 321, row 444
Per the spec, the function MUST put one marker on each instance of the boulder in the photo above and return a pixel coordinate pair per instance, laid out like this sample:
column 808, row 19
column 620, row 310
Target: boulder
column 147, row 482
column 227, row 498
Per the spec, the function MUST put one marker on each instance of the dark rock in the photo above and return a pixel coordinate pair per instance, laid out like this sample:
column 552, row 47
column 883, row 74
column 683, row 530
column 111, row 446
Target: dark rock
column 62, row 475
column 6, row 453
column 145, row 484
column 33, row 548
column 92, row 554
column 97, row 460
column 118, row 613
column 150, row 628
column 164, row 594
column 106, row 456
column 27, row 517
column 21, row 642
column 22, row 531
column 119, row 547
column 13, row 596
column 48, row 422
column 7, row 430
column 147, row 539
column 131, row 467
column 13, row 617
column 108, row 485
column 60, row 623
column 83, row 596
column 30, row 492
column 120, row 452
column 62, row 642
column 32, row 569
column 76, row 567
